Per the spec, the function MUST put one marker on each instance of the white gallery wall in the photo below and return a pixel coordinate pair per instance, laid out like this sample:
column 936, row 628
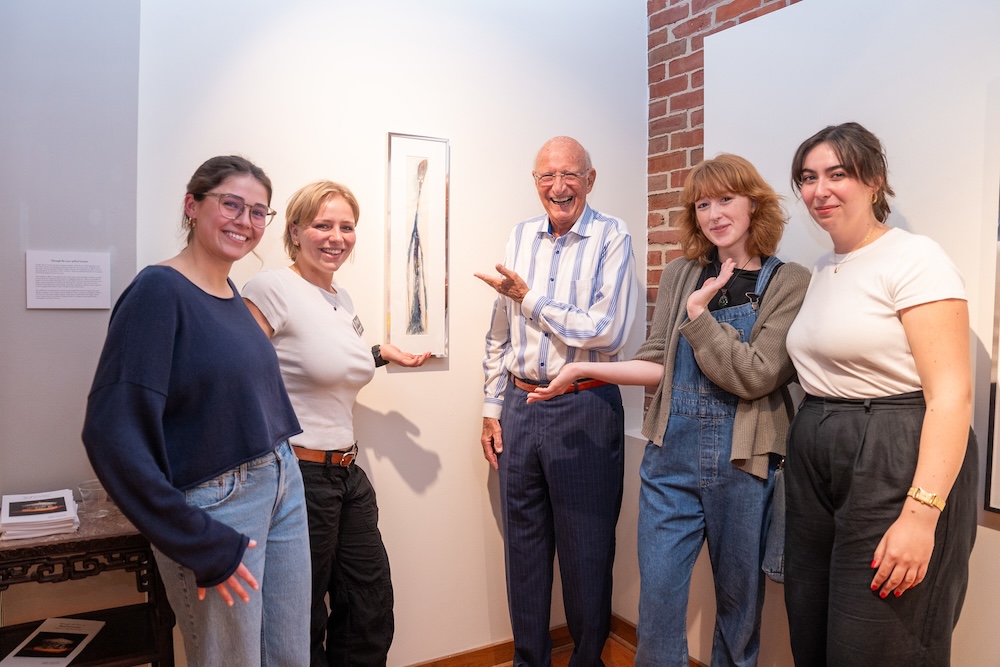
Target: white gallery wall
column 110, row 105
column 925, row 77
column 308, row 90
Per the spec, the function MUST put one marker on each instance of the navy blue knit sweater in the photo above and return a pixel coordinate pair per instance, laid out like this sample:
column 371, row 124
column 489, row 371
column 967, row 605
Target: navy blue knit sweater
column 187, row 387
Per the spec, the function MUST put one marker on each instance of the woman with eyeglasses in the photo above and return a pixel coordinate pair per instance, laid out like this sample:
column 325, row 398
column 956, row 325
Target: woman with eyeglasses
column 187, row 426
column 325, row 361
column 717, row 422
column 882, row 462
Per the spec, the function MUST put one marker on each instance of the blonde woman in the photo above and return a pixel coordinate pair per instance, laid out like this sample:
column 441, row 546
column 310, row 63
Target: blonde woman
column 325, row 361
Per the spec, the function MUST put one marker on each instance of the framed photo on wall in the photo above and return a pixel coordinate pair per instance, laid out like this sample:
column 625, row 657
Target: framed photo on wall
column 417, row 244
column 992, row 187
column 993, row 450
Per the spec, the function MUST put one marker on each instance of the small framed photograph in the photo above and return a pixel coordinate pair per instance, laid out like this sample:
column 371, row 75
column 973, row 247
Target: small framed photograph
column 417, row 244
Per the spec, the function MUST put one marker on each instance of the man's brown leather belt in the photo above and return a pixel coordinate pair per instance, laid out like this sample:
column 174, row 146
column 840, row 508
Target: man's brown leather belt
column 336, row 458
column 576, row 387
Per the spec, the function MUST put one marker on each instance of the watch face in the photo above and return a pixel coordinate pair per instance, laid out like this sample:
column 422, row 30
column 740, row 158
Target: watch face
column 926, row 497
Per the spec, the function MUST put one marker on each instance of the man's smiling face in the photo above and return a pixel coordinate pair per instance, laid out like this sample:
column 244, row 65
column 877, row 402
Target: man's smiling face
column 564, row 162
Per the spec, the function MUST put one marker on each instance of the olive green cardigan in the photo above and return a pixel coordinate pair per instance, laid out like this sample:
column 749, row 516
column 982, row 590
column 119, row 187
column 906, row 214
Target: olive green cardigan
column 756, row 372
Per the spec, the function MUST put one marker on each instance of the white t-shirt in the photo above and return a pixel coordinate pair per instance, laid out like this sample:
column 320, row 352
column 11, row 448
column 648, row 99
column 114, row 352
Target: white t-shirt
column 847, row 340
column 323, row 357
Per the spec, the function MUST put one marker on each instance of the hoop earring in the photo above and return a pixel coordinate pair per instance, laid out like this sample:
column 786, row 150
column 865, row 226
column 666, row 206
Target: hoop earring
column 874, row 197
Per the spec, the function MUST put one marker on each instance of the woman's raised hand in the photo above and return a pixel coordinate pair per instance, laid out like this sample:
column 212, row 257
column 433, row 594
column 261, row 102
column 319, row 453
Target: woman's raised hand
column 698, row 302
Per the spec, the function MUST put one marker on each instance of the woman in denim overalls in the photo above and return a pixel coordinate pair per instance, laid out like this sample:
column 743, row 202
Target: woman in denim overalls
column 718, row 418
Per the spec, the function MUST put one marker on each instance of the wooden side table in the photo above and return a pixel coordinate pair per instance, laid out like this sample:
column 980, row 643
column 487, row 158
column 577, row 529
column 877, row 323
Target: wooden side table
column 132, row 635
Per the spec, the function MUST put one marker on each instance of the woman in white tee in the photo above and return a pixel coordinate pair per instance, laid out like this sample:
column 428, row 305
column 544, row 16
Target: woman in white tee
column 325, row 362
column 881, row 468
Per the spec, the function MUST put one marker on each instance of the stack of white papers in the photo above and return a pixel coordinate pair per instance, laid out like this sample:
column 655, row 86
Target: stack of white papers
column 33, row 515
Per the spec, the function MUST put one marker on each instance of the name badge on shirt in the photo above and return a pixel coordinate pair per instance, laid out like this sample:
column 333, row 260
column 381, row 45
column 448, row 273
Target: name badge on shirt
column 357, row 325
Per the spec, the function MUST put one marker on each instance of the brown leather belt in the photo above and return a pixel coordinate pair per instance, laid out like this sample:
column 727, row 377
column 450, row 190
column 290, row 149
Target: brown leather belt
column 329, row 457
column 576, row 387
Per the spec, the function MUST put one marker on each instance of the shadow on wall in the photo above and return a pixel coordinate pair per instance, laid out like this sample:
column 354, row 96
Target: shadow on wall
column 390, row 435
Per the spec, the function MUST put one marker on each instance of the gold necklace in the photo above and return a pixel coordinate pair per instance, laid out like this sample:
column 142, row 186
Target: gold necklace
column 857, row 247
column 723, row 297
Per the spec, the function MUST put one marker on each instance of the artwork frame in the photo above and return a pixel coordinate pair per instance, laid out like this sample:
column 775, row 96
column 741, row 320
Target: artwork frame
column 416, row 248
column 991, row 187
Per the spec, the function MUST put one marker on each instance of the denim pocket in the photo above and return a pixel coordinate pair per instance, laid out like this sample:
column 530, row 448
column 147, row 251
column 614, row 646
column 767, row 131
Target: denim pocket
column 214, row 492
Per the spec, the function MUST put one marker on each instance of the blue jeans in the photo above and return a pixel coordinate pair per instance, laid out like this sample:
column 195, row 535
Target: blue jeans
column 262, row 499
column 692, row 493
column 686, row 498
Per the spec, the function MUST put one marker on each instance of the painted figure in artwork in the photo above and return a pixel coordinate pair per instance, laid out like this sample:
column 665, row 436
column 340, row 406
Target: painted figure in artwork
column 416, row 285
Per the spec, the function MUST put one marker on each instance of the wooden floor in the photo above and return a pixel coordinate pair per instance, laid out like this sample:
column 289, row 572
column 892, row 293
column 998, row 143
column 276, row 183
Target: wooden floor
column 614, row 655
column 619, row 650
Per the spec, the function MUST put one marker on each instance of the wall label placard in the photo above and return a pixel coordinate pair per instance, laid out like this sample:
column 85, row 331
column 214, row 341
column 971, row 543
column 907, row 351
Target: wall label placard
column 67, row 279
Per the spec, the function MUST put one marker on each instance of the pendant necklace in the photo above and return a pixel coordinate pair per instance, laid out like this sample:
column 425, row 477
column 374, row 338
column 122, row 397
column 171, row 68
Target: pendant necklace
column 723, row 296
column 857, row 247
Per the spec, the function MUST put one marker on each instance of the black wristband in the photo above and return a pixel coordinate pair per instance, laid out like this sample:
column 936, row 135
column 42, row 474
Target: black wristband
column 377, row 354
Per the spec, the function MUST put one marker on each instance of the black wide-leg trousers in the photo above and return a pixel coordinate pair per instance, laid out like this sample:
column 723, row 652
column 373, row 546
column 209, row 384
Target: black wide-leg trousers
column 849, row 466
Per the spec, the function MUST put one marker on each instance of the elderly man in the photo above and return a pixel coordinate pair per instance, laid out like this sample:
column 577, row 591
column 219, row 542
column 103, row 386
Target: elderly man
column 566, row 292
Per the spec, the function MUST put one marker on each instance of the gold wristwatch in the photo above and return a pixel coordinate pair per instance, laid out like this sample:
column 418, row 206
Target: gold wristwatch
column 926, row 497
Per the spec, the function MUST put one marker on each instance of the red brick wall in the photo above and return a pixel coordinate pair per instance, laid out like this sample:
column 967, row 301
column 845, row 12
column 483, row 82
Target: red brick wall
column 677, row 31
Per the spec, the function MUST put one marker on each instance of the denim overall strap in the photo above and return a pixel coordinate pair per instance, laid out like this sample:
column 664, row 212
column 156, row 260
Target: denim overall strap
column 767, row 270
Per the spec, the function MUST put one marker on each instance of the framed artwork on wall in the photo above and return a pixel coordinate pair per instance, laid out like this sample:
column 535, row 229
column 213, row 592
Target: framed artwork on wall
column 993, row 447
column 992, row 460
column 417, row 244
column 992, row 188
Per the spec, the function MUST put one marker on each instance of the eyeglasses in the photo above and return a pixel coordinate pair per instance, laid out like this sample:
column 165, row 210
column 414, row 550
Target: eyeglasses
column 568, row 177
column 232, row 207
